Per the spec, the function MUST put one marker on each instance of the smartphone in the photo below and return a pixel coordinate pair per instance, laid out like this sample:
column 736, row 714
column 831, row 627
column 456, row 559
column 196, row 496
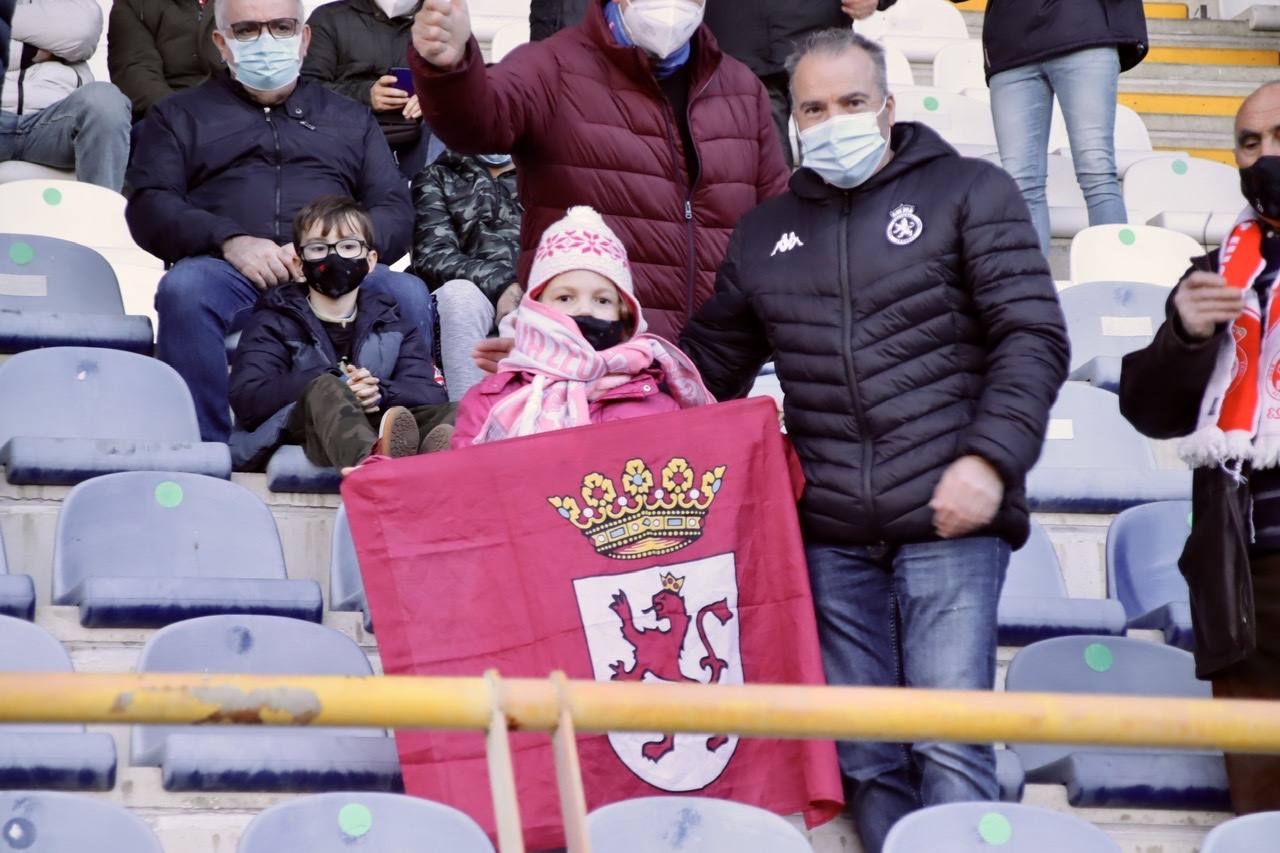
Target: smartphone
column 404, row 79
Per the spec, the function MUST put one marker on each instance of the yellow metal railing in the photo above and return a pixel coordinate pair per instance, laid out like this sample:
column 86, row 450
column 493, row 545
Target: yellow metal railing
column 560, row 706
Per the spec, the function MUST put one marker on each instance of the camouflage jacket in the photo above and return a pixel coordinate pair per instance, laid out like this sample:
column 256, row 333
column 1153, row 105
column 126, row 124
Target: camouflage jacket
column 466, row 225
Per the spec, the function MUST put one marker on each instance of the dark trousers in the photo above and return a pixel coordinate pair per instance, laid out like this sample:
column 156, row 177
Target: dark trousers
column 1255, row 779
column 779, row 88
column 335, row 432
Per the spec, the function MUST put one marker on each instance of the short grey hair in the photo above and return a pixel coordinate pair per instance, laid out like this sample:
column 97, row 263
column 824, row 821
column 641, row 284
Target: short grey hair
column 220, row 13
column 835, row 42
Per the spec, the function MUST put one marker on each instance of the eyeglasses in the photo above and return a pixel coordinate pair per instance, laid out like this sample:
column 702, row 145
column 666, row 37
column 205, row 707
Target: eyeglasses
column 280, row 28
column 319, row 250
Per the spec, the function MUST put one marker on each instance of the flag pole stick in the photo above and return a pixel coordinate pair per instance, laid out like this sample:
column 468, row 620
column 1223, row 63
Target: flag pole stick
column 502, row 774
column 573, row 800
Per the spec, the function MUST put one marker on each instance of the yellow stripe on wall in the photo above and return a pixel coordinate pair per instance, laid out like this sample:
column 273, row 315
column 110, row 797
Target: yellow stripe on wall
column 1192, row 105
column 1214, row 56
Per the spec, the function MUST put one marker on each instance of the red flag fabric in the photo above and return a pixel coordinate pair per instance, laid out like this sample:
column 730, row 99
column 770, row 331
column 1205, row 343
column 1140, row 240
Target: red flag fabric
column 663, row 548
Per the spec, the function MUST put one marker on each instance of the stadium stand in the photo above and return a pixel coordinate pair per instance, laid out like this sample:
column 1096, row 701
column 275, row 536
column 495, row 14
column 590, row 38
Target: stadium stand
column 657, row 824
column 919, row 28
column 958, row 67
column 1140, row 253
column 1143, row 547
column 289, row 470
column 1200, row 198
column 508, row 39
column 1255, row 833
column 1132, row 140
column 963, row 121
column 145, row 549
column 1034, row 604
column 61, row 756
column 58, row 293
column 1106, row 321
column 88, row 411
column 20, row 170
column 39, row 822
column 1119, row 777
column 346, row 585
column 980, row 827
column 377, row 823
column 17, row 592
column 250, row 759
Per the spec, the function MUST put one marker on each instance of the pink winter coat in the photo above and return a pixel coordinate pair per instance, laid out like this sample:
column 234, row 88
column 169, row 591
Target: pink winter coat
column 641, row 396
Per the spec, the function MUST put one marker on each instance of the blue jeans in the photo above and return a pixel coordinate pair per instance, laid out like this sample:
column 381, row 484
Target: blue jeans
column 203, row 299
column 1022, row 107
column 918, row 615
column 87, row 130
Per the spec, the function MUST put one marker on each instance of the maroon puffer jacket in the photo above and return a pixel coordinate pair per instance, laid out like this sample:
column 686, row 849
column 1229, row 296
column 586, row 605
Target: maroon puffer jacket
column 588, row 124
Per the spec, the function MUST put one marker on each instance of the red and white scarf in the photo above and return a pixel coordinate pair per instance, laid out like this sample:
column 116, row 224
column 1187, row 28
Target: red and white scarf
column 568, row 374
column 1240, row 411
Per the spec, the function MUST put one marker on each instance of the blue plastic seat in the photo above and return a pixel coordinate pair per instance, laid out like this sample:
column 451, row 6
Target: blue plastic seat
column 1255, row 833
column 87, row 411
column 1106, row 320
column 47, row 756
column 1118, row 777
column 989, row 827
column 371, row 823
column 657, row 824
column 289, row 470
column 17, row 592
column 1034, row 604
column 1143, row 548
column 258, row 758
column 42, row 822
column 346, row 584
column 58, row 293
column 1010, row 776
column 144, row 549
column 1094, row 461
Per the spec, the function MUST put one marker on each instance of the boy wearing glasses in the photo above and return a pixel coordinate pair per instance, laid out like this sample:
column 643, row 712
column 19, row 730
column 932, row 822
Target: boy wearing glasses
column 330, row 366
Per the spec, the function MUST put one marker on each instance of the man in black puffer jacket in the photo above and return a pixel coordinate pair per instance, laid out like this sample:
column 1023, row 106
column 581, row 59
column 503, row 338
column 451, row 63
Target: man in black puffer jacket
column 6, row 15
column 918, row 339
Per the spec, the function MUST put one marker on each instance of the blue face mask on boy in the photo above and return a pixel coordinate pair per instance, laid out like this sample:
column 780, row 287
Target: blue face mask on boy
column 267, row 63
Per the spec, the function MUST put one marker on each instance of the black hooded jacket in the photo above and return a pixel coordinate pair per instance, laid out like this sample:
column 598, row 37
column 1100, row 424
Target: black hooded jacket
column 912, row 321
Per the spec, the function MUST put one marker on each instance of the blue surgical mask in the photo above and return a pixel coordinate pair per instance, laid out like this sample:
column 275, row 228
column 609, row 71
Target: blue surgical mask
column 844, row 150
column 266, row 63
column 497, row 161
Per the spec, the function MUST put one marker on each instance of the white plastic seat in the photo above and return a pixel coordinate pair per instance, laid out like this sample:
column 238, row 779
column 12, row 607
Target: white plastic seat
column 920, row 28
column 20, row 170
column 1141, row 253
column 959, row 67
column 1200, row 198
column 1068, row 211
column 898, row 67
column 1132, row 139
column 507, row 39
column 960, row 120
column 1231, row 9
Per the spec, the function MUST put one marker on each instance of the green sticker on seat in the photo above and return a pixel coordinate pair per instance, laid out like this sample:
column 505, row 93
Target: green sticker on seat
column 995, row 829
column 1188, row 521
column 21, row 253
column 52, row 196
column 1127, row 237
column 1098, row 657
column 1180, row 167
column 168, row 494
column 931, row 103
column 355, row 820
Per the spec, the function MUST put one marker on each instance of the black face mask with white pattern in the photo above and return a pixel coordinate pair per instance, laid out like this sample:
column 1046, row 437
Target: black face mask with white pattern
column 601, row 334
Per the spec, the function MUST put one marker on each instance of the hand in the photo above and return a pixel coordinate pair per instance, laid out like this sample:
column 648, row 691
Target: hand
column 858, row 9
column 294, row 262
column 365, row 386
column 261, row 261
column 966, row 498
column 490, row 351
column 508, row 302
column 412, row 109
column 384, row 96
column 1204, row 301
column 441, row 30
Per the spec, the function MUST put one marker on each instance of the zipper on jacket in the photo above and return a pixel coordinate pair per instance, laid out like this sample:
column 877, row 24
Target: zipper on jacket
column 275, row 135
column 846, row 349
column 692, row 293
column 668, row 118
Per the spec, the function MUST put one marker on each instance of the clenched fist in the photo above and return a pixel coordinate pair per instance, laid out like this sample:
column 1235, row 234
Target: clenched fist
column 441, row 30
column 966, row 498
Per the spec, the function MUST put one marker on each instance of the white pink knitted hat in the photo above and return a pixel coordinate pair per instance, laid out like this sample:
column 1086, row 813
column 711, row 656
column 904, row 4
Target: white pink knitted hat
column 582, row 241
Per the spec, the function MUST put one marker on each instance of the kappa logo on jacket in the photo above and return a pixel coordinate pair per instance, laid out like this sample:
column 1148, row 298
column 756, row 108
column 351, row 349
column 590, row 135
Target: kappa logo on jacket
column 904, row 226
column 786, row 243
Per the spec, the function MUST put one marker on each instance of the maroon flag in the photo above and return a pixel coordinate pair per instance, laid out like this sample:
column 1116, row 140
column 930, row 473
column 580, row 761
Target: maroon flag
column 658, row 549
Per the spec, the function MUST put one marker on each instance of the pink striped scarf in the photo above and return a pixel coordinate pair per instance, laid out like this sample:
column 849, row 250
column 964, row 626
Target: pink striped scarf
column 568, row 374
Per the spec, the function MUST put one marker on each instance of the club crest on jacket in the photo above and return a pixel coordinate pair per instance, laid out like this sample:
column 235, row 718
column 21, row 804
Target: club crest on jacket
column 904, row 226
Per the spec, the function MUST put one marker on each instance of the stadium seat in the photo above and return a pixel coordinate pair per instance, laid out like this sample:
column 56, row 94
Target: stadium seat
column 1232, row 9
column 1034, row 604
column 88, row 411
column 1255, row 833
column 371, row 823
column 1094, row 461
column 962, row 121
column 657, row 824
column 1106, row 320
column 259, row 759
column 57, row 293
column 919, row 28
column 144, row 549
column 346, row 584
column 958, row 67
column 1124, row 777
column 1144, row 544
column 1199, row 198
column 1010, row 776
column 984, row 827
column 19, row 170
column 41, row 822
column 1068, row 211
column 17, row 592
column 48, row 756
column 1142, row 253
column 1132, row 139
column 289, row 470
column 898, row 68
column 507, row 39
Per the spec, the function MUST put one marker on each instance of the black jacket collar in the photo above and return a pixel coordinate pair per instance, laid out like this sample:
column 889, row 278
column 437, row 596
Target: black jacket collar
column 913, row 145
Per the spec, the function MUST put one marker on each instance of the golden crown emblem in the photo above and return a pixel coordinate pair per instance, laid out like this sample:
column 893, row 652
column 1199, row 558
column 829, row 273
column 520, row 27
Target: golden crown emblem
column 649, row 516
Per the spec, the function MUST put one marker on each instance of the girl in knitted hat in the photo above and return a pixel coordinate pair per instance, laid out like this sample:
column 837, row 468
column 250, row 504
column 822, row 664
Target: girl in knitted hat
column 581, row 354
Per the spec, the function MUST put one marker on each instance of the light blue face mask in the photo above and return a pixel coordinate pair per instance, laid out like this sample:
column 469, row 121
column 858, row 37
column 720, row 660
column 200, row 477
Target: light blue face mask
column 844, row 150
column 497, row 161
column 266, row 63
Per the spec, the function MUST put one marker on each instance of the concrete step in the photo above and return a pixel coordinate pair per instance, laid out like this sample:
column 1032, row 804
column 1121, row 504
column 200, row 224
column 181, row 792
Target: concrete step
column 1155, row 10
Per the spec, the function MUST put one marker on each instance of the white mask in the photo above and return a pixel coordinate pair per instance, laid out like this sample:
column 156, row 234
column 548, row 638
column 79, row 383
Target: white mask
column 662, row 26
column 396, row 8
column 844, row 150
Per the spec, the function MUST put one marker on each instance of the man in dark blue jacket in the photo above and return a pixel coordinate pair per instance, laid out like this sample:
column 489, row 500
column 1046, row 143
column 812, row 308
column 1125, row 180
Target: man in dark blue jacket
column 218, row 174
column 6, row 15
